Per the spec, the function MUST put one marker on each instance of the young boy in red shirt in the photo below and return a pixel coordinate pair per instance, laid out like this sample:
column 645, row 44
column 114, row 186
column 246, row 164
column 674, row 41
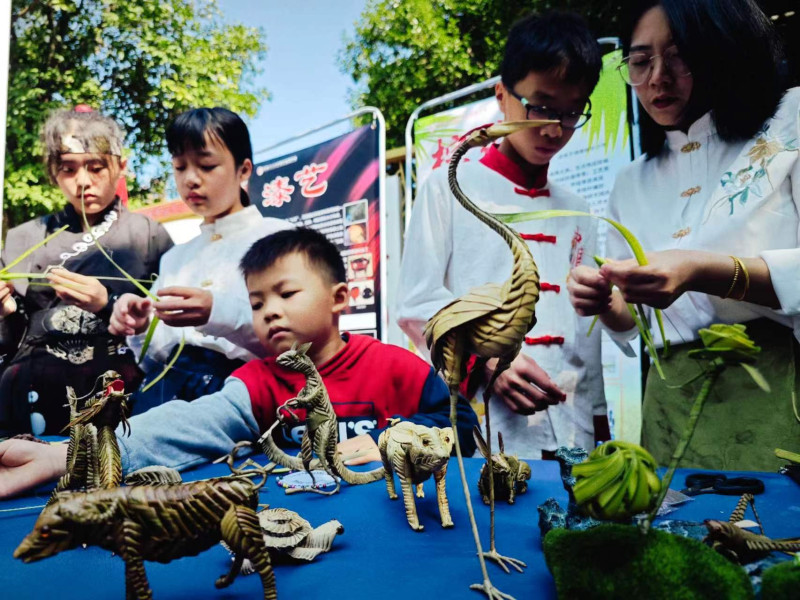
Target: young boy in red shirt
column 297, row 288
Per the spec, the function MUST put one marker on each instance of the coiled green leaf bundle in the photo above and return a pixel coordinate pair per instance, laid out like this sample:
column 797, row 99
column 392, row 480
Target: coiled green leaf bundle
column 617, row 481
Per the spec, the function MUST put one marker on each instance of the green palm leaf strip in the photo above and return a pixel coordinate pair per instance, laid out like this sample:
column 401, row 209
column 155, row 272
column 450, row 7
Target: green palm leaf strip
column 97, row 243
column 431, row 128
column 638, row 253
column 5, row 276
column 32, row 249
column 640, row 320
column 154, row 321
column 787, row 455
column 169, row 365
column 148, row 337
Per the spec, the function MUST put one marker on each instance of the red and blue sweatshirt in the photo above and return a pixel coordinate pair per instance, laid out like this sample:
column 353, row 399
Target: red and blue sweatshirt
column 368, row 382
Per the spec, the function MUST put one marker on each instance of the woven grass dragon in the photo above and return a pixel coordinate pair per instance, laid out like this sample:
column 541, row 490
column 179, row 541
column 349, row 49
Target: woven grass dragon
column 322, row 428
column 93, row 459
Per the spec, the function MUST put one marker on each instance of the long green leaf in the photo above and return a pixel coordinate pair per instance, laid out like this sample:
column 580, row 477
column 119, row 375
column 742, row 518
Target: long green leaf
column 33, row 248
column 633, row 243
column 787, row 455
column 148, row 337
column 5, row 276
column 168, row 367
column 758, row 378
column 636, row 247
column 147, row 292
column 644, row 330
column 97, row 243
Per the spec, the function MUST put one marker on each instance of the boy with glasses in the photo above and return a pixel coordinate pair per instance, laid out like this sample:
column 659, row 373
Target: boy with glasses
column 553, row 393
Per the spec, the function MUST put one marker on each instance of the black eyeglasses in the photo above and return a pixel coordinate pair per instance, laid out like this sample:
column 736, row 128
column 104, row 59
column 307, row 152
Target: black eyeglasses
column 569, row 120
column 637, row 68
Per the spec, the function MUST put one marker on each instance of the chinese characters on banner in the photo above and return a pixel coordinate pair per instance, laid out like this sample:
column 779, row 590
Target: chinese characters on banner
column 333, row 187
column 587, row 165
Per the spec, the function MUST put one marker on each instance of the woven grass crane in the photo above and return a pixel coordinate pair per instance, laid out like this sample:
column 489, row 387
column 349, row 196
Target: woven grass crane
column 490, row 321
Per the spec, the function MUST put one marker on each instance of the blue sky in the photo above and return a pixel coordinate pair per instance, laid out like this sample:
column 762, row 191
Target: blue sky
column 300, row 71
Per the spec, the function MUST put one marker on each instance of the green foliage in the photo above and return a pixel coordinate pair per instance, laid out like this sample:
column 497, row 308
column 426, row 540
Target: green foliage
column 781, row 582
column 618, row 561
column 142, row 62
column 405, row 52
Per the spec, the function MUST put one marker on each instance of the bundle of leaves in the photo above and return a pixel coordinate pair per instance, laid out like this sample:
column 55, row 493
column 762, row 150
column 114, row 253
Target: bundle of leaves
column 619, row 561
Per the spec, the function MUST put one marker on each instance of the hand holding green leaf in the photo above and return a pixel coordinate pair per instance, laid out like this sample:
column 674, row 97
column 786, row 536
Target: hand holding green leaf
column 638, row 253
column 8, row 303
column 84, row 291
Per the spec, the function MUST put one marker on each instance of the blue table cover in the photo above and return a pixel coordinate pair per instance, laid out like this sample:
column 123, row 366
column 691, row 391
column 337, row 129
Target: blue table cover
column 378, row 556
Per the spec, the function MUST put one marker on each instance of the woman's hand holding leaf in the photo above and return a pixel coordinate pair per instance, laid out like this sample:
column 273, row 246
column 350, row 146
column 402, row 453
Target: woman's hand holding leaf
column 591, row 294
column 660, row 282
column 589, row 291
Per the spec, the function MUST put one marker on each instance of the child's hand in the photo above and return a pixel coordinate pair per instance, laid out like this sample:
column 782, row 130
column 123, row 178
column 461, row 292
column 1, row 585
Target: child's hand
column 7, row 303
column 25, row 465
column 524, row 386
column 185, row 307
column 131, row 315
column 359, row 450
column 79, row 290
column 589, row 291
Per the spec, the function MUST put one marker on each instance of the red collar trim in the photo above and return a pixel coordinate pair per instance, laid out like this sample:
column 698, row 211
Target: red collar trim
column 500, row 163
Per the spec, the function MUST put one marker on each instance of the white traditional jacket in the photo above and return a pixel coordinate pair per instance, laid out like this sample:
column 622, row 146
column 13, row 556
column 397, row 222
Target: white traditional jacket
column 702, row 193
column 448, row 251
column 211, row 261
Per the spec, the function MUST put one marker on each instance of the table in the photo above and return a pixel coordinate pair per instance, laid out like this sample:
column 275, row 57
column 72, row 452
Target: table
column 378, row 556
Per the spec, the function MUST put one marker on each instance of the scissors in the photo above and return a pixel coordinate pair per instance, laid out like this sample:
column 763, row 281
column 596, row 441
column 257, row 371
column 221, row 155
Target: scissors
column 719, row 483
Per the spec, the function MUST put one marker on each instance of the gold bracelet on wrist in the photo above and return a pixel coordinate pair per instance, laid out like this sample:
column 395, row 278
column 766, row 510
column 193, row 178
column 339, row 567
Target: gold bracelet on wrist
column 744, row 271
column 735, row 277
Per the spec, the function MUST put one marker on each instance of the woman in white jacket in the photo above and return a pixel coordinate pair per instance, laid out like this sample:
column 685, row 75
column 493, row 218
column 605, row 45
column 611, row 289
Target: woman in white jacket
column 714, row 200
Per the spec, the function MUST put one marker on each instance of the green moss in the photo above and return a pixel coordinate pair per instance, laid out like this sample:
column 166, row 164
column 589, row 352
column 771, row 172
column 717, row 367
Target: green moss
column 617, row 561
column 781, row 582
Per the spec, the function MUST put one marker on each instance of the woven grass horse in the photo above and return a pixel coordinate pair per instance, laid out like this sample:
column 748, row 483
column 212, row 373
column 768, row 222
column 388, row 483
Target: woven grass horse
column 490, row 321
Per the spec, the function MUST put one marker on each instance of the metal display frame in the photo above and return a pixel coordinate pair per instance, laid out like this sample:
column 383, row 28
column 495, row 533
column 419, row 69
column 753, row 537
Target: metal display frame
column 466, row 91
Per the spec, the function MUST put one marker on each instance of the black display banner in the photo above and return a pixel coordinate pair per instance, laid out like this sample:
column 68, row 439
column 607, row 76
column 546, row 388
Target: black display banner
column 334, row 187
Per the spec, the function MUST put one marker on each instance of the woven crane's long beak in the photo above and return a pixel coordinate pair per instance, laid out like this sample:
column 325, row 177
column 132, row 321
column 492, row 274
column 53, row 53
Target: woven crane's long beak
column 483, row 135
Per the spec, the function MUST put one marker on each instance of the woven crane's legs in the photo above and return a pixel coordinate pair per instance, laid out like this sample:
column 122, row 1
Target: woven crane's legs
column 492, row 554
column 486, row 587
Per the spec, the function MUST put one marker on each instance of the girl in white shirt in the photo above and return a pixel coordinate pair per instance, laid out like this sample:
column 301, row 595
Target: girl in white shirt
column 204, row 297
column 715, row 202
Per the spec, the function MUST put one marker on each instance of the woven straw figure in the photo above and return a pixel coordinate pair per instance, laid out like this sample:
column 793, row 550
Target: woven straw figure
column 490, row 321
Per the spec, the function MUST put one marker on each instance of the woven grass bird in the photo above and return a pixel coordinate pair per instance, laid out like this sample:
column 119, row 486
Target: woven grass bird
column 490, row 321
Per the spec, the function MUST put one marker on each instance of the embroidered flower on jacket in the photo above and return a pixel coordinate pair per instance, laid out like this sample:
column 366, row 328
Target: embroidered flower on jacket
column 749, row 180
column 763, row 150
